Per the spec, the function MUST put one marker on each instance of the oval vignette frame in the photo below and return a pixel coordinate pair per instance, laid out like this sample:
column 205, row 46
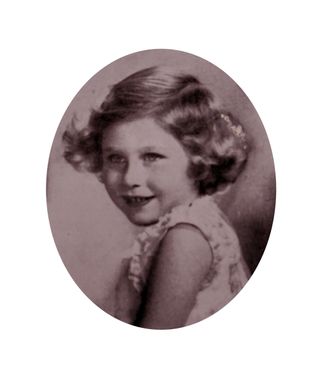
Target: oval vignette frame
column 88, row 230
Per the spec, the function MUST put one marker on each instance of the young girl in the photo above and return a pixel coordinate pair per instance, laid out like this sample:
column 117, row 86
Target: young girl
column 162, row 150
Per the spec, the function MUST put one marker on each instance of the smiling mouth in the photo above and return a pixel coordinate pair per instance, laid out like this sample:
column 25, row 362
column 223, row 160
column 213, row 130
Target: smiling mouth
column 137, row 201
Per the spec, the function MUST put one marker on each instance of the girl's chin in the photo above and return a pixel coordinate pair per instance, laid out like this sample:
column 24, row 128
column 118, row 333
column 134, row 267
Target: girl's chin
column 142, row 215
column 140, row 221
column 142, row 218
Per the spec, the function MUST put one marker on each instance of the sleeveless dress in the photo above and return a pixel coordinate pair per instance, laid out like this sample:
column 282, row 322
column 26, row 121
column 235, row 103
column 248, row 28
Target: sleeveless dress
column 226, row 275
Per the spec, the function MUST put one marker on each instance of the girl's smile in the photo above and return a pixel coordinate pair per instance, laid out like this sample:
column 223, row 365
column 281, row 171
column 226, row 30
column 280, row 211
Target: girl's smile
column 145, row 170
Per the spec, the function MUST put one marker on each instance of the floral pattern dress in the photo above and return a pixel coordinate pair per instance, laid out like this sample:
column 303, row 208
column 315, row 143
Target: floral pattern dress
column 224, row 279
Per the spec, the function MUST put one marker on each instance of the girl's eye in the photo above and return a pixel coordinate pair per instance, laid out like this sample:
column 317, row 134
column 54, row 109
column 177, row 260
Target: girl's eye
column 116, row 159
column 152, row 157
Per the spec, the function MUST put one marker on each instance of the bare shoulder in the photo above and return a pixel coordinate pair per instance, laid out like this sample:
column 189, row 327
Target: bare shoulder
column 185, row 244
column 187, row 236
column 181, row 264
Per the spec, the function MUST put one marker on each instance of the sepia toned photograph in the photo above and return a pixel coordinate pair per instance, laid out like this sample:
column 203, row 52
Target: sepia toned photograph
column 161, row 189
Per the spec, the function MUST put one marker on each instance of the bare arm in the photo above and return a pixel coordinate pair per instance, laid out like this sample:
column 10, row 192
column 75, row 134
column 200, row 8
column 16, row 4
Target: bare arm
column 178, row 270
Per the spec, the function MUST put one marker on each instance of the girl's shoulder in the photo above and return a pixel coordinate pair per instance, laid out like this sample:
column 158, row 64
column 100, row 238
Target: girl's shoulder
column 202, row 212
column 204, row 215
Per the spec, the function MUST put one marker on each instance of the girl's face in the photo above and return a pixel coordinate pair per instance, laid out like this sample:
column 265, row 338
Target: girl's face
column 145, row 170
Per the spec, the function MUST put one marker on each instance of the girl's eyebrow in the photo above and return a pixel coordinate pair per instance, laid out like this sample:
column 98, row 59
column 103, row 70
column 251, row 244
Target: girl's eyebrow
column 152, row 148
column 148, row 148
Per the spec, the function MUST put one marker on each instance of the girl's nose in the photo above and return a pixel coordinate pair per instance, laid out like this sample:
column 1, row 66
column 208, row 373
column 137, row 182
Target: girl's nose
column 134, row 174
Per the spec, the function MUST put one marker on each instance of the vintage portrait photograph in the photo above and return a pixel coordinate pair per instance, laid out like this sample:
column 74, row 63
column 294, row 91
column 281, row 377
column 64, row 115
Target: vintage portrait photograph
column 161, row 189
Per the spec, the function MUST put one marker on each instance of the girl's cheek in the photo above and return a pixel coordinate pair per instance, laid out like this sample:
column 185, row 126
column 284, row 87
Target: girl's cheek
column 111, row 177
column 163, row 173
column 159, row 167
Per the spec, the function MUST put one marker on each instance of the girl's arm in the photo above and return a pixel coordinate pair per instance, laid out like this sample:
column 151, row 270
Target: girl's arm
column 179, row 268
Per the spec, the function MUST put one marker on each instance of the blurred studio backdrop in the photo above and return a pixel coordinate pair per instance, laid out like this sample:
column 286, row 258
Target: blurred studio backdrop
column 90, row 232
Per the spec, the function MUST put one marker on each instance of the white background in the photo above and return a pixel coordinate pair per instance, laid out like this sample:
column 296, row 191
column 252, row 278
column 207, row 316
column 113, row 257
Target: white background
column 50, row 332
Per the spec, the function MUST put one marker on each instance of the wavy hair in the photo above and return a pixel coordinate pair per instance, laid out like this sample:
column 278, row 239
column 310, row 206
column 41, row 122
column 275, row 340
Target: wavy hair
column 214, row 141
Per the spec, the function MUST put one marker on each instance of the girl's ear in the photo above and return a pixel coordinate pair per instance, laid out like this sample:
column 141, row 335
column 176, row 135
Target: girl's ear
column 198, row 169
column 222, row 189
column 100, row 177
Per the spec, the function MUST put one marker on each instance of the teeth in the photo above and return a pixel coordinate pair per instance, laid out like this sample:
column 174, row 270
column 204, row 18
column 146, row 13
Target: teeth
column 137, row 199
